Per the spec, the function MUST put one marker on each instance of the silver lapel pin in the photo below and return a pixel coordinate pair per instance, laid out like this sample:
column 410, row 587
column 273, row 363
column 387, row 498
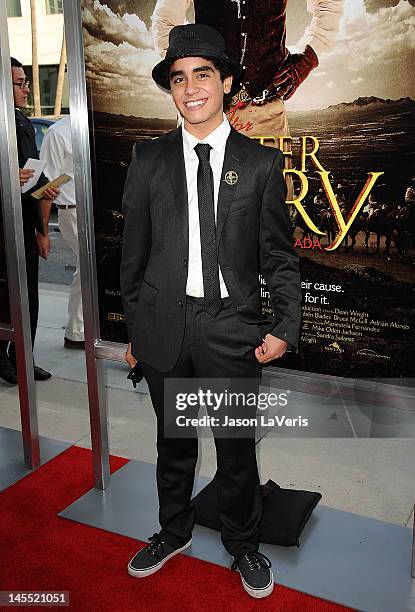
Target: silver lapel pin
column 231, row 177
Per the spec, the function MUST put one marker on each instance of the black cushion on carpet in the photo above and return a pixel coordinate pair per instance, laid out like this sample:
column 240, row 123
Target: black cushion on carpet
column 285, row 513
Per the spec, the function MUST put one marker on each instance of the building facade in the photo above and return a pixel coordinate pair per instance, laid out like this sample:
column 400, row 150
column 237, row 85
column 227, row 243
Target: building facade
column 49, row 39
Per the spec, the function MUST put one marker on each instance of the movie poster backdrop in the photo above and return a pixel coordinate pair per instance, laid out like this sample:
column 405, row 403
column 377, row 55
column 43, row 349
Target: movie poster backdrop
column 351, row 152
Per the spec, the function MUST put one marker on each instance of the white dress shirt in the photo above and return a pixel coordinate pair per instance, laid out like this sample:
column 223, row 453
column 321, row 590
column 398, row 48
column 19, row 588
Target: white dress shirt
column 217, row 140
column 56, row 151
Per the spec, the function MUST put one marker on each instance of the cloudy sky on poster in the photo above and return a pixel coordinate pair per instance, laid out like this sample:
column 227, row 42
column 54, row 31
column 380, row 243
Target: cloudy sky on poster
column 373, row 56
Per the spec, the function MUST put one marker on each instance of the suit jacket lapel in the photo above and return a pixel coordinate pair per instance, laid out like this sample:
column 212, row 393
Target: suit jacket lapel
column 231, row 170
column 176, row 172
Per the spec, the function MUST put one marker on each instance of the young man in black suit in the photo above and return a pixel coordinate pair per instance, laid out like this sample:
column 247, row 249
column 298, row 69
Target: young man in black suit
column 34, row 214
column 204, row 208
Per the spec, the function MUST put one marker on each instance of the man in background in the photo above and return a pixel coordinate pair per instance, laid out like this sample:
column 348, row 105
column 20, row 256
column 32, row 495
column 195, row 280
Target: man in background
column 34, row 214
column 56, row 151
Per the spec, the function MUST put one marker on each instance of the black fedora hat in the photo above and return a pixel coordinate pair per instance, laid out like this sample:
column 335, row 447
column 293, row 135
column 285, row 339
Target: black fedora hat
column 195, row 40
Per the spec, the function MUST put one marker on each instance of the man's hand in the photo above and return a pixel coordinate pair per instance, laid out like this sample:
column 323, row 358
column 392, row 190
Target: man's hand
column 294, row 71
column 271, row 348
column 51, row 193
column 43, row 244
column 129, row 358
column 25, row 174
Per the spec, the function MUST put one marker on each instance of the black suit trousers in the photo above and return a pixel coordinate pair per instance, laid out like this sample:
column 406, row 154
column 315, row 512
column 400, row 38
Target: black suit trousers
column 32, row 273
column 213, row 347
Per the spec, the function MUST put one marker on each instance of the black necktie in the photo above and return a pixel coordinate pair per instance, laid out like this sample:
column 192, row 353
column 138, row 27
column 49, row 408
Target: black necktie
column 210, row 267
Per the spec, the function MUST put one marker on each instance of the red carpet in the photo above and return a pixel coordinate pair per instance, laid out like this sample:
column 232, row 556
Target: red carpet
column 41, row 551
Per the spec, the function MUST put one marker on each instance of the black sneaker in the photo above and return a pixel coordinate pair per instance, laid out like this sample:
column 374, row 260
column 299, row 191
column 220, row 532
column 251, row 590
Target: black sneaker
column 152, row 557
column 40, row 373
column 74, row 344
column 256, row 573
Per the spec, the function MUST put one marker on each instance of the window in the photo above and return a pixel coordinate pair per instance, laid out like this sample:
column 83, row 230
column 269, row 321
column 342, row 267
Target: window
column 13, row 8
column 48, row 76
column 53, row 7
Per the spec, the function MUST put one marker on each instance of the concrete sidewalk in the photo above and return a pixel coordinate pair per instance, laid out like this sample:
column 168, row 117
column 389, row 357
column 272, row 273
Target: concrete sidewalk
column 369, row 477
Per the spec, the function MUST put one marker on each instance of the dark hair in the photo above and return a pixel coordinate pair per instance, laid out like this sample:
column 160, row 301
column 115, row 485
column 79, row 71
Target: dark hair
column 15, row 63
column 223, row 68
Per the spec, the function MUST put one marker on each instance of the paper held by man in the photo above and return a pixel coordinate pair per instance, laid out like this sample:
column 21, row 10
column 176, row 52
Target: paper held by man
column 37, row 166
column 57, row 182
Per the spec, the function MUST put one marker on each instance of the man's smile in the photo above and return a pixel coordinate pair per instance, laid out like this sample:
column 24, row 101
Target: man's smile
column 194, row 104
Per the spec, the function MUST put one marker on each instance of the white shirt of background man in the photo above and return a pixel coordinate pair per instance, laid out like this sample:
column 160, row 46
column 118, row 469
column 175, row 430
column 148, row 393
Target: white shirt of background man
column 56, row 151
